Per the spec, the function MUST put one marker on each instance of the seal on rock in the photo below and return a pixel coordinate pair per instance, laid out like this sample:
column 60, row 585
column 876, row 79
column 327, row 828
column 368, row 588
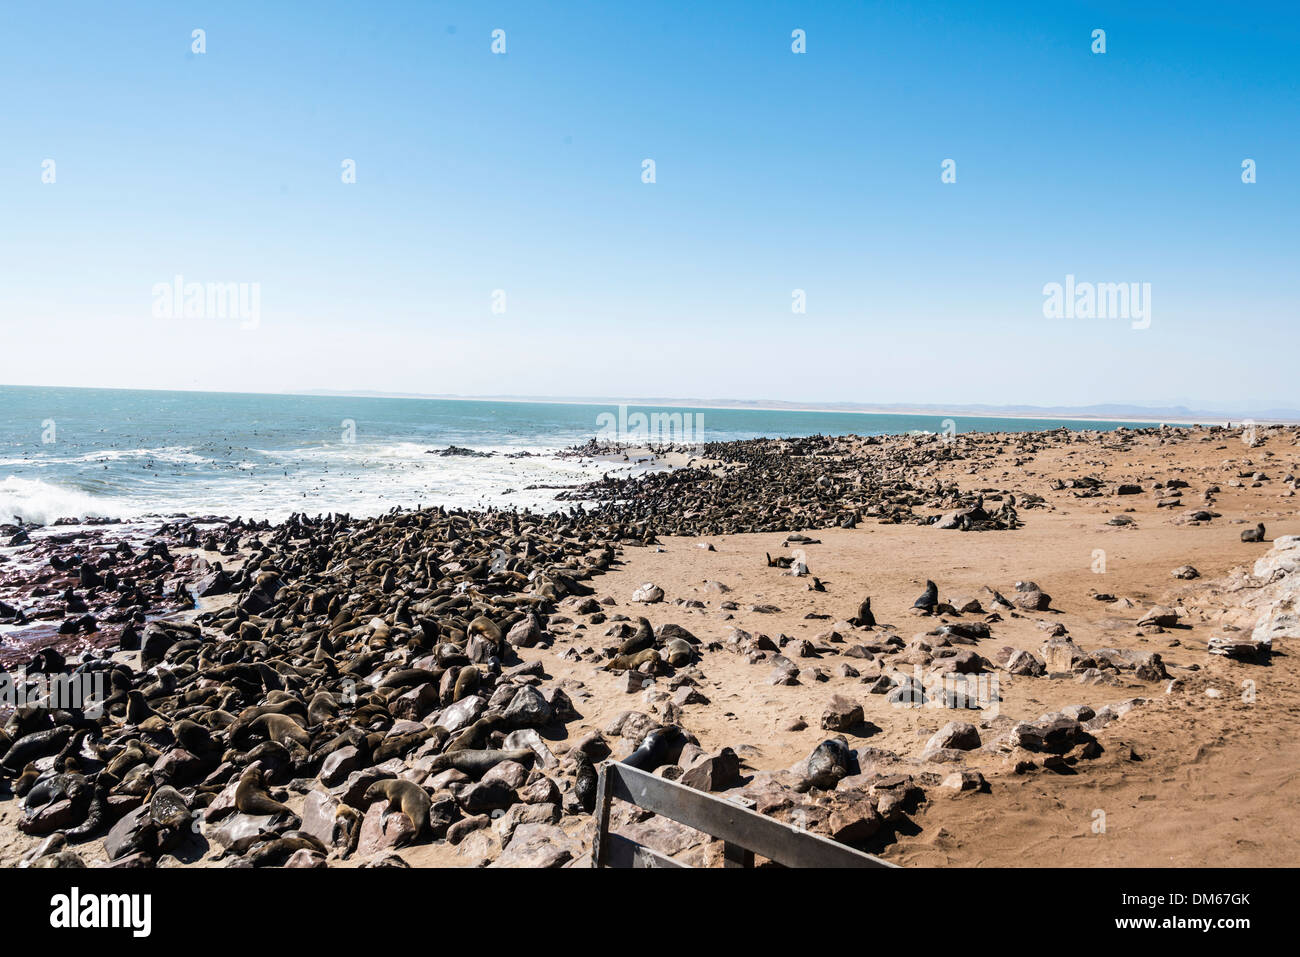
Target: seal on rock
column 407, row 796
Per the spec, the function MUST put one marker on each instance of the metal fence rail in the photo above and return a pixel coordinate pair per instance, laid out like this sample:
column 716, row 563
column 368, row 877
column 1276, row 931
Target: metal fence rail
column 743, row 832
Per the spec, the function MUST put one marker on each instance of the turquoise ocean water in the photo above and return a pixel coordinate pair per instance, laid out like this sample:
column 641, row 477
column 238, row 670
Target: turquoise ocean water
column 131, row 454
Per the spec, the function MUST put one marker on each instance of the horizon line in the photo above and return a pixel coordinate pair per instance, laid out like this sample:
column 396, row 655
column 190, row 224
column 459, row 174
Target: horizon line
column 1125, row 412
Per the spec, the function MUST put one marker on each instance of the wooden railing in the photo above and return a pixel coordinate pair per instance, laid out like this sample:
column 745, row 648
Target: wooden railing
column 744, row 832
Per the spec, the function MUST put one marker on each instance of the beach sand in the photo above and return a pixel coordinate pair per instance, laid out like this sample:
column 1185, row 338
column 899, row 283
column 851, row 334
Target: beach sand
column 1184, row 778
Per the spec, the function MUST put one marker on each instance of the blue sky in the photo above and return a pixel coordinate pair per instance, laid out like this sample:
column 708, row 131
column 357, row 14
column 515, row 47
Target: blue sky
column 775, row 171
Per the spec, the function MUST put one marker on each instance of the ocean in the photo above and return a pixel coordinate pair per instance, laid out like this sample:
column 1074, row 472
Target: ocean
column 127, row 454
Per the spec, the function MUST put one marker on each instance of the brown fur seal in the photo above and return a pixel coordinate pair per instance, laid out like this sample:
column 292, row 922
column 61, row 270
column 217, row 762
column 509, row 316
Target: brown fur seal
column 864, row 617
column 485, row 626
column 476, row 735
column 467, row 680
column 632, row 662
column 281, row 728
column 643, row 638
column 407, row 796
column 477, row 763
column 251, row 796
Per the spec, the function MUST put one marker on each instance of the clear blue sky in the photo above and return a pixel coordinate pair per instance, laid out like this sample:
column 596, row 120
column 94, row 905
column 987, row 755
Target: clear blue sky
column 775, row 171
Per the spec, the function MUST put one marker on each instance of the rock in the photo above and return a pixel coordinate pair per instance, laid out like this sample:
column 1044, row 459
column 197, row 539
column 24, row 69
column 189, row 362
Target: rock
column 961, row 661
column 1030, row 599
column 213, row 584
column 306, row 858
column 487, row 796
column 463, row 713
column 510, row 773
column 716, row 773
column 382, row 831
column 1025, row 663
column 336, row 768
column 955, row 735
column 842, row 714
column 649, row 593
column 1060, row 655
column 319, row 812
column 1185, row 572
column 528, row 709
column 135, row 832
column 854, row 822
column 964, row 780
column 1160, row 616
column 686, row 695
column 544, row 813
column 241, row 829
column 525, row 633
column 537, row 845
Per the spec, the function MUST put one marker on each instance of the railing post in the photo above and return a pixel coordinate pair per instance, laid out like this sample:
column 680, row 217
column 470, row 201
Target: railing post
column 733, row 855
column 604, row 795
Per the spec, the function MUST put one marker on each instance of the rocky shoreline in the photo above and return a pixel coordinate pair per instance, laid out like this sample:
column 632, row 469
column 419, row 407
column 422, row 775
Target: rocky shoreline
column 388, row 691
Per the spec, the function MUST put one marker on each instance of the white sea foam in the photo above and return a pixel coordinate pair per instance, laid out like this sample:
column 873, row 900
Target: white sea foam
column 360, row 479
column 32, row 500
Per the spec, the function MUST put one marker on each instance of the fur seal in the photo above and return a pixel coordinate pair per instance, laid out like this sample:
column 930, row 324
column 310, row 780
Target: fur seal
column 828, row 763
column 467, row 680
column 653, row 751
column 642, row 638
column 1255, row 534
column 477, row 763
column 864, row 618
column 281, row 728
column 38, row 744
column 632, row 662
column 485, row 626
column 251, row 796
column 585, row 783
column 930, row 599
column 407, row 796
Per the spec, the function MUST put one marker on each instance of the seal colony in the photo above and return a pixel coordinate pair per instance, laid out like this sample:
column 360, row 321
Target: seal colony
column 355, row 691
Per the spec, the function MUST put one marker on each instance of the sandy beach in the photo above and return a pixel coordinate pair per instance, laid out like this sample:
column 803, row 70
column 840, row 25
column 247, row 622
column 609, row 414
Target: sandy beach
column 1069, row 710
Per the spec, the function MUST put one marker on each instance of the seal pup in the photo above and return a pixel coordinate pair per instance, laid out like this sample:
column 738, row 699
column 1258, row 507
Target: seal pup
column 584, row 782
column 1255, row 534
column 930, row 599
column 864, row 617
